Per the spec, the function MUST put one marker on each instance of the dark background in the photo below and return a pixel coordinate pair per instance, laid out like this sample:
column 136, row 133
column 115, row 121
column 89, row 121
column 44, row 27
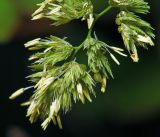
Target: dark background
column 129, row 108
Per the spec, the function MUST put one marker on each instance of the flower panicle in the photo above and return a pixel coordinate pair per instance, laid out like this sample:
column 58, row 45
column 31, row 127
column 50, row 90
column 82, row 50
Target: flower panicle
column 135, row 32
column 63, row 11
column 98, row 61
column 58, row 80
column 48, row 94
column 138, row 6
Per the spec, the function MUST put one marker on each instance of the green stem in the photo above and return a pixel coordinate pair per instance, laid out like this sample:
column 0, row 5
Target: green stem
column 97, row 17
column 103, row 12
column 91, row 29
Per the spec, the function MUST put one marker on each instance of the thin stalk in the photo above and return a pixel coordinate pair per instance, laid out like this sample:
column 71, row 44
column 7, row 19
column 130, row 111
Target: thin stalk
column 91, row 29
column 103, row 12
column 98, row 16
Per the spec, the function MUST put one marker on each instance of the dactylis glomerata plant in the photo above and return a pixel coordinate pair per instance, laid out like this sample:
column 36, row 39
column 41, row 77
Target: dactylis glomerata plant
column 58, row 79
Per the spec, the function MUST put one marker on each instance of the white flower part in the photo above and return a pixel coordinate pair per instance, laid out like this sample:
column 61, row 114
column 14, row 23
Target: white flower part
column 39, row 16
column 46, row 123
column 120, row 53
column 26, row 103
column 145, row 39
column 48, row 81
column 79, row 88
column 85, row 4
column 44, row 82
column 90, row 21
column 42, row 6
column 31, row 108
column 40, row 9
column 32, row 58
column 54, row 108
column 55, row 10
column 48, row 49
column 104, row 83
column 32, row 42
column 135, row 57
column 17, row 93
column 39, row 83
column 114, row 58
column 116, row 48
column 117, row 1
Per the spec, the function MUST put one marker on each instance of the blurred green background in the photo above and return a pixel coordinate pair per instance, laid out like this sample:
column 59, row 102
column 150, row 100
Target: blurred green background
column 131, row 105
